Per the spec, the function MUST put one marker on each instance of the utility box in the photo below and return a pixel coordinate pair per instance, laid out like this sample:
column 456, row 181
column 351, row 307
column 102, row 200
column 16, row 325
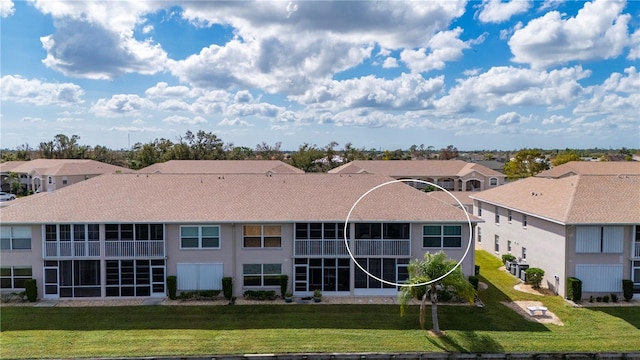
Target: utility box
column 522, row 268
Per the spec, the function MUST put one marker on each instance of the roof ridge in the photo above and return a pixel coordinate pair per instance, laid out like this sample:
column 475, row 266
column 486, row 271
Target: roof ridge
column 572, row 197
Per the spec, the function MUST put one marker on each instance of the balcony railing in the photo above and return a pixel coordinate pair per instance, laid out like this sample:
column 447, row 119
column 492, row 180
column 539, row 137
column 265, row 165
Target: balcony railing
column 382, row 248
column 137, row 248
column 72, row 249
column 636, row 251
column 360, row 248
column 320, row 247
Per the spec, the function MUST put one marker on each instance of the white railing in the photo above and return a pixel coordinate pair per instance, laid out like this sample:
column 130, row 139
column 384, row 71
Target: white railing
column 636, row 252
column 382, row 248
column 319, row 247
column 134, row 248
column 72, row 249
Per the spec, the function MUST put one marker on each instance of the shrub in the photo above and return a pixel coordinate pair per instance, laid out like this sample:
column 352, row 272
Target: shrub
column 614, row 297
column 574, row 289
column 172, row 286
column 227, row 287
column 627, row 289
column 598, row 299
column 418, row 291
column 605, row 298
column 284, row 284
column 591, row 298
column 31, row 290
column 477, row 270
column 474, row 281
column 534, row 277
column 260, row 295
column 507, row 257
column 199, row 295
column 444, row 296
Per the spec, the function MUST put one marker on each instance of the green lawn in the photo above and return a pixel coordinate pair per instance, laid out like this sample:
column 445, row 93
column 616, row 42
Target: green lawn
column 71, row 332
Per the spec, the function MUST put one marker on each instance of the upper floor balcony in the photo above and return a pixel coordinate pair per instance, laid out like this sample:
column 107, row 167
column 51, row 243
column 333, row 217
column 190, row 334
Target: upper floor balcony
column 369, row 247
column 119, row 249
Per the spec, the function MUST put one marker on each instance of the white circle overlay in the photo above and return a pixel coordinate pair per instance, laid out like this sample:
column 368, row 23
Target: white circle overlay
column 346, row 225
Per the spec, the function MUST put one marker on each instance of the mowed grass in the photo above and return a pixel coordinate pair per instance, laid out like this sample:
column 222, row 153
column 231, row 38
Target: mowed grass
column 72, row 332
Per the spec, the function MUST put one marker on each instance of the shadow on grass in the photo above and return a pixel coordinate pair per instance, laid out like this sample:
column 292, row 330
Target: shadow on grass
column 466, row 342
column 630, row 314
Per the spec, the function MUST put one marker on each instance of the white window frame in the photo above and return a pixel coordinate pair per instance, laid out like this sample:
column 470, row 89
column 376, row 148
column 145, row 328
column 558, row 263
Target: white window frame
column 200, row 237
column 525, row 221
column 496, row 243
column 13, row 277
column 493, row 181
column 12, row 237
column 262, row 236
column 497, row 215
column 262, row 274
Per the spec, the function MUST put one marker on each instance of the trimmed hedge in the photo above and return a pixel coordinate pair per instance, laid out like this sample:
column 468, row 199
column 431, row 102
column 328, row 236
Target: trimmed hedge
column 284, row 284
column 534, row 277
column 172, row 286
column 31, row 290
column 477, row 270
column 574, row 289
column 227, row 287
column 627, row 289
column 507, row 257
column 260, row 295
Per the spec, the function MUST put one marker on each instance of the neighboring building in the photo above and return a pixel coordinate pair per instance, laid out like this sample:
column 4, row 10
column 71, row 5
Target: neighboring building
column 222, row 167
column 582, row 226
column 43, row 175
column 592, row 168
column 121, row 235
column 452, row 175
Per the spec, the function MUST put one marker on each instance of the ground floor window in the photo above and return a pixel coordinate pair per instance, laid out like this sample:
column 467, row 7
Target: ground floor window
column 134, row 277
column 261, row 274
column 392, row 270
column 328, row 274
column 13, row 277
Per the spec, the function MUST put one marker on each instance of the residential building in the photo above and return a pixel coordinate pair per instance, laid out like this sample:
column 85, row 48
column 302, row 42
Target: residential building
column 592, row 168
column 583, row 226
column 41, row 175
column 222, row 167
column 452, row 175
column 121, row 235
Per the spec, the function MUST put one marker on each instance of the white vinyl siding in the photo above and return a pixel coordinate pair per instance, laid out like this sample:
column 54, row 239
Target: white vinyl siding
column 200, row 276
column 600, row 277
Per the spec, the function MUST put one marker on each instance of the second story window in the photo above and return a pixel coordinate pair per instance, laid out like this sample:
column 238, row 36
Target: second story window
column 524, row 220
column 438, row 236
column 15, row 238
column 497, row 215
column 200, row 237
column 262, row 236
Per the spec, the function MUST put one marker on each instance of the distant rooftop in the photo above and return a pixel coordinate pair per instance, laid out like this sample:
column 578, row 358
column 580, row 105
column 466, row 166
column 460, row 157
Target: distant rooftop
column 592, row 168
column 221, row 167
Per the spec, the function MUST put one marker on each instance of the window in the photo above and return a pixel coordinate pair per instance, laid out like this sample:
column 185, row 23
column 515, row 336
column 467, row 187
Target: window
column 524, row 220
column 479, row 235
column 497, row 214
column 368, row 231
column 49, row 179
column 509, row 245
column 497, row 243
column 493, row 181
column 200, row 237
column 479, row 209
column 327, row 231
column 64, row 180
column 600, row 239
column 13, row 277
column 509, row 216
column 15, row 238
column 75, row 232
column 442, row 236
column 262, row 236
column 139, row 232
column 524, row 253
column 396, row 230
column 261, row 274
column 391, row 270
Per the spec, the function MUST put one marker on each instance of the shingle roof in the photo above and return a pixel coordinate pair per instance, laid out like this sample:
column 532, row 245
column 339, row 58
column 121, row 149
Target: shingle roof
column 8, row 166
column 62, row 167
column 229, row 198
column 593, row 168
column 221, row 167
column 579, row 199
column 415, row 168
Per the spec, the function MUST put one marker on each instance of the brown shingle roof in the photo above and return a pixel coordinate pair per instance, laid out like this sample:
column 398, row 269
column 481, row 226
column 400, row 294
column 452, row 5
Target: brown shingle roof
column 580, row 199
column 414, row 168
column 230, row 198
column 221, row 167
column 62, row 167
column 593, row 168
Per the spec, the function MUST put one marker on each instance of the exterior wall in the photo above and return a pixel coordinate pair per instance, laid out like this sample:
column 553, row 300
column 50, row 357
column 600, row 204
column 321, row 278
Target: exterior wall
column 32, row 258
column 543, row 240
column 622, row 258
column 418, row 251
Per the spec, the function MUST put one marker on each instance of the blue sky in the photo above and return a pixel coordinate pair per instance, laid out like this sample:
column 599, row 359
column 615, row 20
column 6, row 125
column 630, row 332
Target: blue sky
column 382, row 74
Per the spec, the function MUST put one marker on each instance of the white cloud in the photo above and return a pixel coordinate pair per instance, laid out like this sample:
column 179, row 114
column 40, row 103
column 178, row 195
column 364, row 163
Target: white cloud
column 510, row 118
column 496, row 11
column 234, row 122
column 174, row 105
column 135, row 129
column 175, row 119
column 18, row 89
column 598, row 31
column 163, row 90
column 390, row 63
column 31, row 120
column 243, row 96
column 443, row 47
column 556, row 119
column 6, row 8
column 121, row 104
column 634, row 45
